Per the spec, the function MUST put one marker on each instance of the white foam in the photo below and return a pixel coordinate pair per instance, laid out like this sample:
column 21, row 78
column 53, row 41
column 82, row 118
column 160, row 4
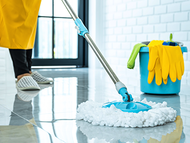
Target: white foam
column 93, row 113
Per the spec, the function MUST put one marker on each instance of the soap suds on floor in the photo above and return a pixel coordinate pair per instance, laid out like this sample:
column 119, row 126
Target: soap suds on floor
column 93, row 113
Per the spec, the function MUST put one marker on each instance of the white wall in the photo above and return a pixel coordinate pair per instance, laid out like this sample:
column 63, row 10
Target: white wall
column 7, row 81
column 96, row 30
column 5, row 63
column 128, row 22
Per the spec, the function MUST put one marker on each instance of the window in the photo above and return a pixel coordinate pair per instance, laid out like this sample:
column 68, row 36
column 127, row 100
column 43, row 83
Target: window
column 57, row 41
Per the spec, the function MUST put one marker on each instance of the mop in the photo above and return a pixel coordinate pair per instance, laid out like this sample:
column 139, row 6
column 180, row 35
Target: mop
column 127, row 113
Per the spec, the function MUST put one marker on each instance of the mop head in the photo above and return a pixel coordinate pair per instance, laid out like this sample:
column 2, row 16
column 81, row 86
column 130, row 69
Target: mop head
column 93, row 113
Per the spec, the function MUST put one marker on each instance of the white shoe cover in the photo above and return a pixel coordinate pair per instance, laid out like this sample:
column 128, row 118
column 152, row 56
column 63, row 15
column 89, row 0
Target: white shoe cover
column 27, row 83
column 39, row 78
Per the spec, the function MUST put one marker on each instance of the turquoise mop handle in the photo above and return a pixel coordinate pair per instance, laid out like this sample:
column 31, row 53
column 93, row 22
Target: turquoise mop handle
column 81, row 28
column 120, row 87
column 126, row 96
column 82, row 31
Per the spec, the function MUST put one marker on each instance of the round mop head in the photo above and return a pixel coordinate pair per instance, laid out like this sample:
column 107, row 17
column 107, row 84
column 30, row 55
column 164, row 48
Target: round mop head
column 93, row 112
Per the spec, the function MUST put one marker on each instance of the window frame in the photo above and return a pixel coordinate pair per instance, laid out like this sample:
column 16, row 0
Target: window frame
column 82, row 60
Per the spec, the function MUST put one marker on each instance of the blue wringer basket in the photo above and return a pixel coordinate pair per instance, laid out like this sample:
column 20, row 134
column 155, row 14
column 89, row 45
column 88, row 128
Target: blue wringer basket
column 153, row 88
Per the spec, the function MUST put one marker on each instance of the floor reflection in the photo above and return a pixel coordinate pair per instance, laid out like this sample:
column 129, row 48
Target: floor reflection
column 48, row 115
column 170, row 132
column 55, row 108
column 20, row 130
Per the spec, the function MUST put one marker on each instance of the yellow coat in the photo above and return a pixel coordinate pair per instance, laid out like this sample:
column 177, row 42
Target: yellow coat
column 18, row 21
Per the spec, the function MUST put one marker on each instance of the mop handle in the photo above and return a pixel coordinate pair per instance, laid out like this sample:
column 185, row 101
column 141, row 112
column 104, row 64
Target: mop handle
column 84, row 32
column 92, row 44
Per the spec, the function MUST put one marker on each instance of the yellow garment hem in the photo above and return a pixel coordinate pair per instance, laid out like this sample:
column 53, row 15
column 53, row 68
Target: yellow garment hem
column 16, row 47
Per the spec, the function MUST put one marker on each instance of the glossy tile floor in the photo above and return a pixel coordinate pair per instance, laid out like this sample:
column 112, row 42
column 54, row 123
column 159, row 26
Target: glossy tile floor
column 48, row 116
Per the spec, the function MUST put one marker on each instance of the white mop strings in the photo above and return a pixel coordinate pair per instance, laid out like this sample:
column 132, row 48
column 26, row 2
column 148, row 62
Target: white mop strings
column 93, row 113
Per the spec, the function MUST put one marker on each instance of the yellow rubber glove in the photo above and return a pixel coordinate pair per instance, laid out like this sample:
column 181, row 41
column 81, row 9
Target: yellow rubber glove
column 175, row 61
column 154, row 65
column 164, row 61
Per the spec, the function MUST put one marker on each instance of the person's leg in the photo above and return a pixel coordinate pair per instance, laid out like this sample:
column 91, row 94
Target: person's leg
column 35, row 75
column 29, row 59
column 20, row 63
column 22, row 73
